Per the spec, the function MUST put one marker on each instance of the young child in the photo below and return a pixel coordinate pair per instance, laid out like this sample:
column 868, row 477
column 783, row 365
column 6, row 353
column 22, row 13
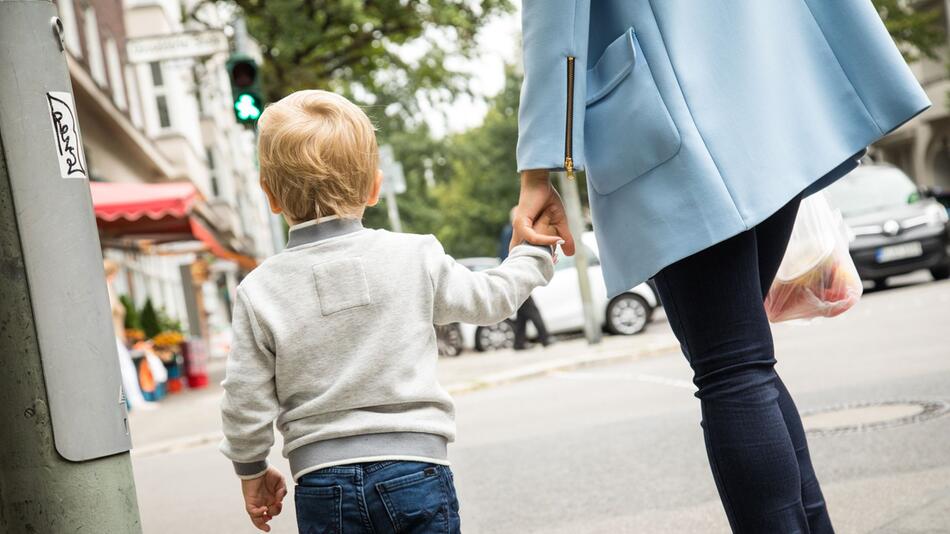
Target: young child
column 334, row 338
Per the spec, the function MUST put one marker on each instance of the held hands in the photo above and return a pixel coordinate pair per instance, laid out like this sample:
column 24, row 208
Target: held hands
column 540, row 218
column 263, row 497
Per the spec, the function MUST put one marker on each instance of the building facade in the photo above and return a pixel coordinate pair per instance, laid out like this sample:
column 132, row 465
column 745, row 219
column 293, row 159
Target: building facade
column 922, row 146
column 159, row 123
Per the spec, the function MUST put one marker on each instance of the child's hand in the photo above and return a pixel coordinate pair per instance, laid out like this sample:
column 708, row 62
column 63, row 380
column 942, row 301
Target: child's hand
column 545, row 225
column 263, row 497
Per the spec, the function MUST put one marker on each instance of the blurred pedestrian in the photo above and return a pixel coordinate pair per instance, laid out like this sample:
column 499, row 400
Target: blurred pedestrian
column 130, row 381
column 700, row 126
column 529, row 310
column 348, row 313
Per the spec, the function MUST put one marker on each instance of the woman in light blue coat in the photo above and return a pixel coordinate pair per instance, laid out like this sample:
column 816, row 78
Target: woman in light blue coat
column 700, row 126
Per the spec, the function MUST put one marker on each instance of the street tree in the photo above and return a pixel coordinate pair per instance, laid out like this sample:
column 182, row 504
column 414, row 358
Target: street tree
column 917, row 26
column 481, row 183
column 386, row 53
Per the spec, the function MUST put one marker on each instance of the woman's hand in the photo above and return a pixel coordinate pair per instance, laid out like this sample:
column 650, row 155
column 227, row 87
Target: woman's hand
column 540, row 201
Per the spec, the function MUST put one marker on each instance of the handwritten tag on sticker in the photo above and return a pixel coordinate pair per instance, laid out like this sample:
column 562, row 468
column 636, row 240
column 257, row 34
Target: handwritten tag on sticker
column 62, row 111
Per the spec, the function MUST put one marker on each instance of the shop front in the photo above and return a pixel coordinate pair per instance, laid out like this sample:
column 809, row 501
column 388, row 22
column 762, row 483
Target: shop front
column 175, row 274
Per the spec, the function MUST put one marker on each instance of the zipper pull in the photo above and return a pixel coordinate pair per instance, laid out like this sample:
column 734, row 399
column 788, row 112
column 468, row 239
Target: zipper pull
column 569, row 167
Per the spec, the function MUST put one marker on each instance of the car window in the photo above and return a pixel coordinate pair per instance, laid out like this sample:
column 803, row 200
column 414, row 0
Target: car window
column 872, row 189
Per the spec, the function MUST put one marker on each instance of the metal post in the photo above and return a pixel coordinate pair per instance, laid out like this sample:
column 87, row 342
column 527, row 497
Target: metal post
column 946, row 16
column 393, row 209
column 54, row 317
column 575, row 220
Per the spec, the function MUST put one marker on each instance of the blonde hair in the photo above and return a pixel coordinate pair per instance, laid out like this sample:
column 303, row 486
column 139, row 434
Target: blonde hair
column 318, row 155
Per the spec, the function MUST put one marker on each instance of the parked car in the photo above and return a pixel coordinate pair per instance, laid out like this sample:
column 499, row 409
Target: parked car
column 449, row 339
column 560, row 304
column 454, row 338
column 896, row 230
column 939, row 194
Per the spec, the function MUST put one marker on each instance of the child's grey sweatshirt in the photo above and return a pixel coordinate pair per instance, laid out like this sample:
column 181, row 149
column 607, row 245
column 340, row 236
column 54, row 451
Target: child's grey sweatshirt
column 333, row 338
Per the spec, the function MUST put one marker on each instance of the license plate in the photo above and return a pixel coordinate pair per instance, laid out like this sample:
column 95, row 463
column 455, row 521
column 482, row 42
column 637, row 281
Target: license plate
column 899, row 252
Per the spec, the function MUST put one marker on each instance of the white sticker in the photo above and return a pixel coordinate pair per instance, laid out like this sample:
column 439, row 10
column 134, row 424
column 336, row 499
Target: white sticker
column 62, row 112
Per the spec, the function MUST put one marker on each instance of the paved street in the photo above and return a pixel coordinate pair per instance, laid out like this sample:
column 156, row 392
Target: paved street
column 617, row 448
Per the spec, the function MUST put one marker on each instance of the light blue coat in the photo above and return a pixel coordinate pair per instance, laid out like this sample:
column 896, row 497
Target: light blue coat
column 697, row 119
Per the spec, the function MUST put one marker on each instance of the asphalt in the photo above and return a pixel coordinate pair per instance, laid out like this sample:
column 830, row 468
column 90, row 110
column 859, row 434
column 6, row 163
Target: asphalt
column 616, row 447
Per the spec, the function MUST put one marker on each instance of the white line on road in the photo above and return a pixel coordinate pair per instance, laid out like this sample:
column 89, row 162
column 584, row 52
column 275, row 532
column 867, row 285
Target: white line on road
column 638, row 377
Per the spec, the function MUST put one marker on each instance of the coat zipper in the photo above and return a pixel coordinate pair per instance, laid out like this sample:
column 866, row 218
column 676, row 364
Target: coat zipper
column 569, row 127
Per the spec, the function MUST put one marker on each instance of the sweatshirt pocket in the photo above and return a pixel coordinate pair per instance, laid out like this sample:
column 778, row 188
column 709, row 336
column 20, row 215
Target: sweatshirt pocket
column 341, row 285
column 628, row 129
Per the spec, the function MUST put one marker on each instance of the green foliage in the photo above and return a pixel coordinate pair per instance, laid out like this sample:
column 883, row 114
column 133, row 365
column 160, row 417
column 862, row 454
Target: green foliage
column 917, row 27
column 131, row 314
column 167, row 324
column 482, row 184
column 353, row 47
column 420, row 155
column 475, row 175
column 149, row 320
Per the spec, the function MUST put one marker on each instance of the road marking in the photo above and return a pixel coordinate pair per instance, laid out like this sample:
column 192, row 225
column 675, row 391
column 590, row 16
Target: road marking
column 637, row 377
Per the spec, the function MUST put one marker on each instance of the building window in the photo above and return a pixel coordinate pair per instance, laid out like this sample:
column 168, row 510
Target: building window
column 157, row 80
column 67, row 14
column 161, row 101
column 164, row 120
column 215, row 191
column 94, row 46
column 115, row 73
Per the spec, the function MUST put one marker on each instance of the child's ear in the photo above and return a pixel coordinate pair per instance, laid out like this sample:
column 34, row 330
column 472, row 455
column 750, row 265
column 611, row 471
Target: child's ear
column 374, row 192
column 274, row 206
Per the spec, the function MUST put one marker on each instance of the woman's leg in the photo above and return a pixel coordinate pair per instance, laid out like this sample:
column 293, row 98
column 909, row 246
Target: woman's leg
column 714, row 302
column 772, row 239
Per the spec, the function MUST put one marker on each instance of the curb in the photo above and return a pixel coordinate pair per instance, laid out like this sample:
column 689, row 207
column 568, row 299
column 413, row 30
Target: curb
column 562, row 364
column 176, row 445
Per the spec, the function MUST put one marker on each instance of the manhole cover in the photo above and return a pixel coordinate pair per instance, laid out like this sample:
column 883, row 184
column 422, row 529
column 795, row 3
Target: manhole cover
column 871, row 416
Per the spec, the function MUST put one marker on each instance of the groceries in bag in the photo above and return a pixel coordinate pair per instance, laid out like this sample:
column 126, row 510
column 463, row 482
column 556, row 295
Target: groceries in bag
column 817, row 277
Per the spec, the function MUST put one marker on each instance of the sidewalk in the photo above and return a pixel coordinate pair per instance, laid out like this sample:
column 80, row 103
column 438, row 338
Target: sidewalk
column 191, row 418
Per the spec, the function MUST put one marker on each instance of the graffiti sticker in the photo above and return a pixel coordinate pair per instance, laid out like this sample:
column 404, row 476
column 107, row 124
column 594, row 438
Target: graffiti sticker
column 62, row 111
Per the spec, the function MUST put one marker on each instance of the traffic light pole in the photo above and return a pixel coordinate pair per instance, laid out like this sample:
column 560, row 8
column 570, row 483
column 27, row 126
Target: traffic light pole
column 40, row 490
column 392, row 208
column 575, row 220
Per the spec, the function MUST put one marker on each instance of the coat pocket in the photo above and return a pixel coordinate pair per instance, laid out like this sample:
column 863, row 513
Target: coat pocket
column 628, row 130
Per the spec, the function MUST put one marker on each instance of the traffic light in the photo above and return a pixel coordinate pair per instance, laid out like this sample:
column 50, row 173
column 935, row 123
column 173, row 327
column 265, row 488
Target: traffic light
column 245, row 88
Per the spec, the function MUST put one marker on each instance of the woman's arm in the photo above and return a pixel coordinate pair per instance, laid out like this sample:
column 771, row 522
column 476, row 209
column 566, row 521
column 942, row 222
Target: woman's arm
column 551, row 114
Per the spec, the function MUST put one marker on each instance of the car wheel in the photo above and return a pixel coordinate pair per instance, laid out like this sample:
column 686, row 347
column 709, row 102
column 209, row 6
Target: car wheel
column 940, row 273
column 628, row 314
column 449, row 339
column 495, row 337
column 880, row 283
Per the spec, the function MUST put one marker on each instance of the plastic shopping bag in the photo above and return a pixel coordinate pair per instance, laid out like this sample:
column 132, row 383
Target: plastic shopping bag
column 155, row 365
column 817, row 277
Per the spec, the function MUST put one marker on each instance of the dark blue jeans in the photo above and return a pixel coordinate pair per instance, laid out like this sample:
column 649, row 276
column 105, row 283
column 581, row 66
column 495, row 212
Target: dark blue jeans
column 390, row 497
column 754, row 436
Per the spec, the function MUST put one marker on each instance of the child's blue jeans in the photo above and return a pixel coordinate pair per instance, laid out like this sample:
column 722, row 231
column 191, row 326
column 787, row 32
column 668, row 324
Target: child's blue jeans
column 391, row 497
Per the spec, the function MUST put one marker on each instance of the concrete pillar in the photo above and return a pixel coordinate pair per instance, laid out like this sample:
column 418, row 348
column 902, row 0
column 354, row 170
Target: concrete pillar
column 922, row 168
column 58, row 361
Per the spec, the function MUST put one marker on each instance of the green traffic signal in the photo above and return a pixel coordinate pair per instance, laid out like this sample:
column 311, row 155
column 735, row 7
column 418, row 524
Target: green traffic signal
column 245, row 87
column 247, row 107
